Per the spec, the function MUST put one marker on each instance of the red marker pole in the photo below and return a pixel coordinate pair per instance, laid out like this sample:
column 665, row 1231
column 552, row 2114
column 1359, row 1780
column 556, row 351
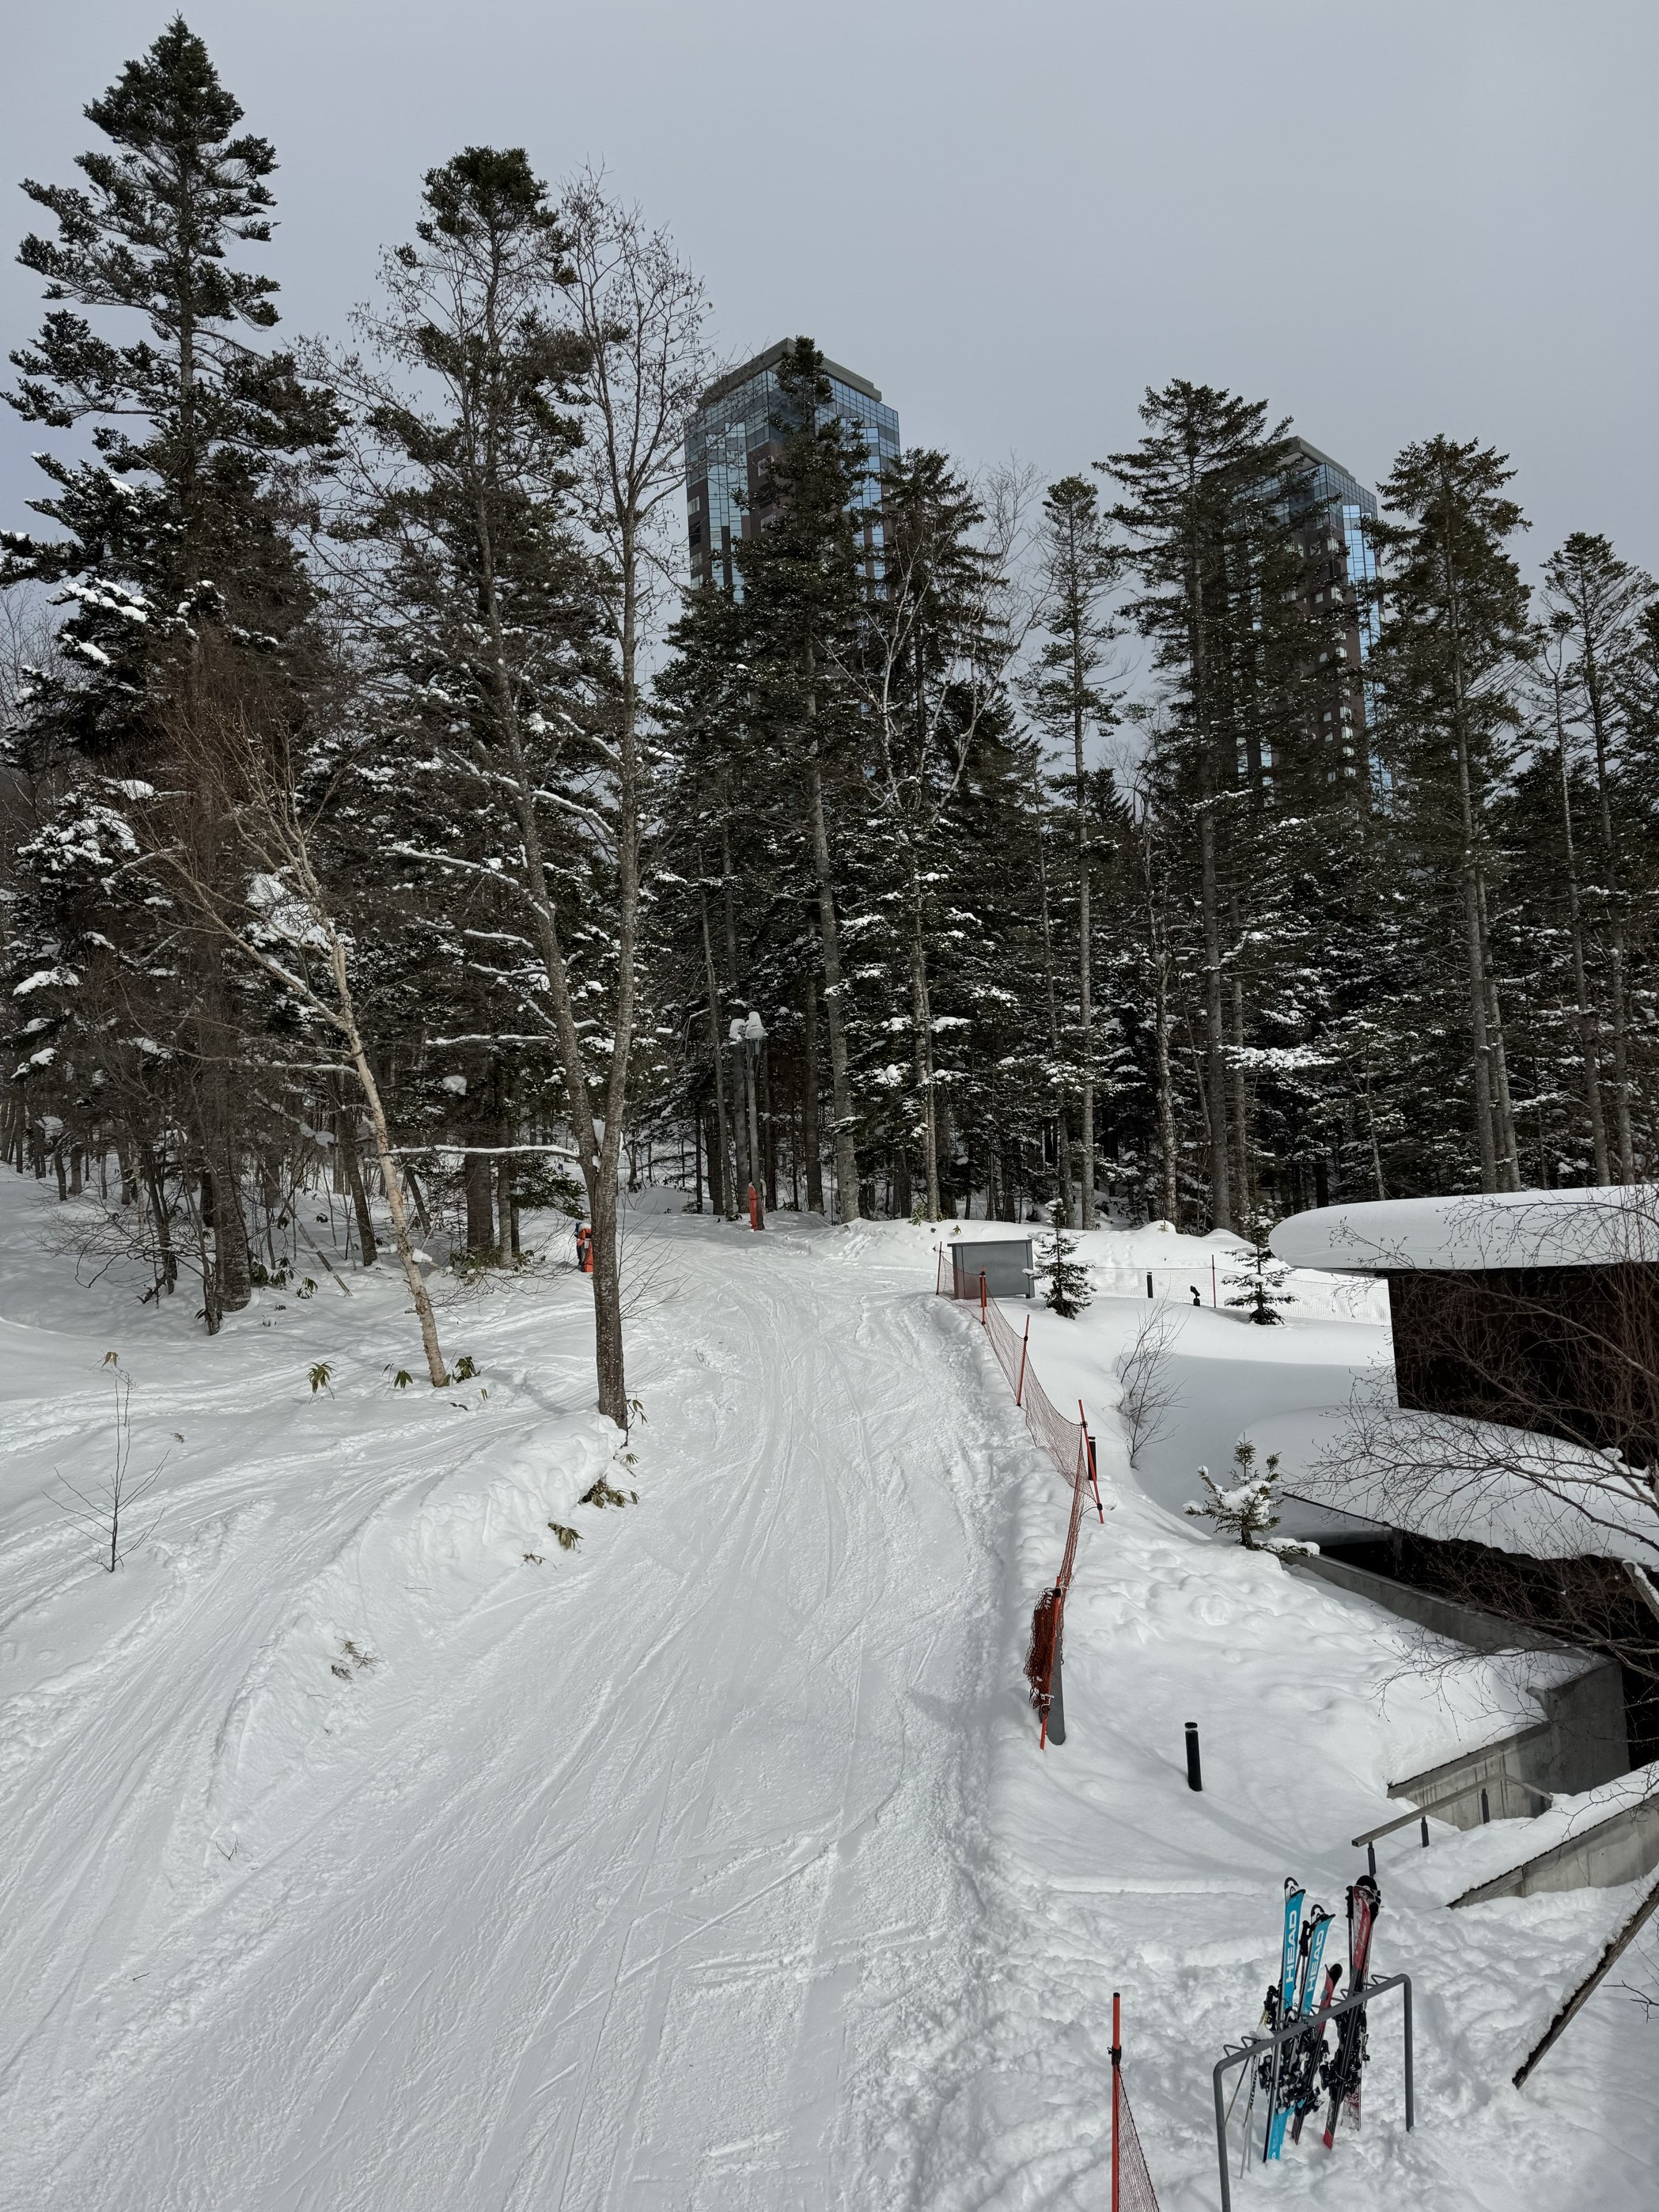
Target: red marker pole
column 1089, row 1447
column 1117, row 2088
column 1024, row 1342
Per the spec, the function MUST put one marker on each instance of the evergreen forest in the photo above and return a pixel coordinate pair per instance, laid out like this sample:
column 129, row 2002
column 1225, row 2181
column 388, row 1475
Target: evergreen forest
column 384, row 815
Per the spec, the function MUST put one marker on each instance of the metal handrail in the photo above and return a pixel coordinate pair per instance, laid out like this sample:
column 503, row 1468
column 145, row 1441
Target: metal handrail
column 1253, row 2047
column 1454, row 1797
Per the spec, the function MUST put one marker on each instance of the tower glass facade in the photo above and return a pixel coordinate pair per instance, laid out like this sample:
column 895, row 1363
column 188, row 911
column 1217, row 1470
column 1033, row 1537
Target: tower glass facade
column 734, row 433
column 1334, row 508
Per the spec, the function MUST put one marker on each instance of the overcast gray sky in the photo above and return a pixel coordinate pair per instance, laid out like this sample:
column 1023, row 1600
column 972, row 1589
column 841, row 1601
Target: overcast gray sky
column 1387, row 219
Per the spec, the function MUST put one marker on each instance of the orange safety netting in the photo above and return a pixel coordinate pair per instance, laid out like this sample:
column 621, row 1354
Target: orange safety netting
column 1131, row 2184
column 1071, row 1448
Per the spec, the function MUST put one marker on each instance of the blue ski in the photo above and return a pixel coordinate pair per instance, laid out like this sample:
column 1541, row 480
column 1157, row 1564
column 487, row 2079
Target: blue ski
column 1289, row 1958
column 1292, row 2055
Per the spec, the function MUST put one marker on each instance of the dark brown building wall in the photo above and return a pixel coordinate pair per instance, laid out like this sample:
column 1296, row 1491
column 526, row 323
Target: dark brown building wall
column 1572, row 1352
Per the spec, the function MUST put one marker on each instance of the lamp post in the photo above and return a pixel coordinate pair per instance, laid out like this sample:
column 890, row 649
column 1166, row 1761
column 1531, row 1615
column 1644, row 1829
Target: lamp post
column 747, row 1038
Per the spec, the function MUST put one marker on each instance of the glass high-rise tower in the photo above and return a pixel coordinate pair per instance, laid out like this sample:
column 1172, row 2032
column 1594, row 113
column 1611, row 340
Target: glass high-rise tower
column 734, row 433
column 1334, row 508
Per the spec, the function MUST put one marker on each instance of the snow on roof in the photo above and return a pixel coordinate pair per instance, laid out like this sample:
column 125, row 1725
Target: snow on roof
column 1497, row 1229
column 1372, row 1466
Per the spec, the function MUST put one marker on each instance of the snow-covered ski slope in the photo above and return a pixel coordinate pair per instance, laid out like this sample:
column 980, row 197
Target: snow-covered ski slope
column 354, row 1860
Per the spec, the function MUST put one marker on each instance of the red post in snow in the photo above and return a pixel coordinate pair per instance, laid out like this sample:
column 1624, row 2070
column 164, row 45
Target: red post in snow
column 982, row 1295
column 756, row 1218
column 1117, row 2088
column 1024, row 1342
column 1089, row 1447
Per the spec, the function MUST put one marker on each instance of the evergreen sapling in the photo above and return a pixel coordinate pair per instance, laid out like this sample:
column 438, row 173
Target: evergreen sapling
column 1068, row 1291
column 1247, row 1510
column 1258, row 1287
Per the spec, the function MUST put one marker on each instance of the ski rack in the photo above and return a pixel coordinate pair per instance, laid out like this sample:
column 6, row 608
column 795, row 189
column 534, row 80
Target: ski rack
column 1253, row 2047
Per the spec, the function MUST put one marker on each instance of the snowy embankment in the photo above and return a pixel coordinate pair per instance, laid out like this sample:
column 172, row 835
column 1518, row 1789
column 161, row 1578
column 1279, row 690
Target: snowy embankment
column 1107, row 1873
column 367, row 1849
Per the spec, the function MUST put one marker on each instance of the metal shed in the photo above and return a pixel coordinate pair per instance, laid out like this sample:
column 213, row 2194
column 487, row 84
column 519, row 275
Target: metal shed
column 1006, row 1262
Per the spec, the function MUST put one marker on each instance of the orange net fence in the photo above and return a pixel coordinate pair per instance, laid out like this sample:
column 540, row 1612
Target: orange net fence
column 1132, row 2183
column 1071, row 1447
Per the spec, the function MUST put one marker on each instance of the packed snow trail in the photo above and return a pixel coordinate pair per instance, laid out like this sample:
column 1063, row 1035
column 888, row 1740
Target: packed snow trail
column 615, row 1880
column 367, row 1853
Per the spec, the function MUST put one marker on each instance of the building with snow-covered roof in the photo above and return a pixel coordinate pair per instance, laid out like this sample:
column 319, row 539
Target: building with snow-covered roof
column 1535, row 1308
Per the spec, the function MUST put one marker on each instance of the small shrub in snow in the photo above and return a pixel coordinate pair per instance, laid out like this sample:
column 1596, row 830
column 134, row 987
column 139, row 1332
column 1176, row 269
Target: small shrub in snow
column 321, row 1377
column 1067, row 1279
column 358, row 1659
column 568, row 1538
column 1246, row 1509
column 1148, row 1382
column 603, row 1493
column 402, row 1379
column 105, row 1511
column 464, row 1369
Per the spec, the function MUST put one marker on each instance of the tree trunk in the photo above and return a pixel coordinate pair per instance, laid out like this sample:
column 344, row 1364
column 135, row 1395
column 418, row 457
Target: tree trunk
column 155, row 1190
column 1244, row 1194
column 846, row 1169
column 1482, row 1060
column 922, row 1023
column 1062, row 1131
column 477, row 1183
column 1221, row 1202
column 1474, row 920
column 1086, row 958
column 506, row 1213
column 345, row 1153
column 346, row 1021
column 1508, row 1162
column 1616, row 995
column 809, row 1100
column 717, row 1175
column 768, row 1130
column 1586, row 1019
column 747, row 1172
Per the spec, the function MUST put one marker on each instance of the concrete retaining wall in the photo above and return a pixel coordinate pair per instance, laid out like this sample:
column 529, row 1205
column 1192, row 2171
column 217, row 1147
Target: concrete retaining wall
column 1620, row 1848
column 1579, row 1744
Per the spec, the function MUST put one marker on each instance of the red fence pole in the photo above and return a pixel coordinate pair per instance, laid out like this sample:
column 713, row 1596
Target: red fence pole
column 982, row 1299
column 1117, row 2088
column 1024, row 1342
column 1088, row 1446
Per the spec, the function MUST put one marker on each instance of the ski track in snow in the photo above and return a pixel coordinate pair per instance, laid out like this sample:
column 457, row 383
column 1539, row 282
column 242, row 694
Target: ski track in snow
column 713, row 1865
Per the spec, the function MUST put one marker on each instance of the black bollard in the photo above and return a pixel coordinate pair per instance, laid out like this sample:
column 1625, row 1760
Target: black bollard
column 1425, row 1831
column 1371, row 1861
column 1486, row 1809
column 1056, row 1707
column 1194, row 1772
